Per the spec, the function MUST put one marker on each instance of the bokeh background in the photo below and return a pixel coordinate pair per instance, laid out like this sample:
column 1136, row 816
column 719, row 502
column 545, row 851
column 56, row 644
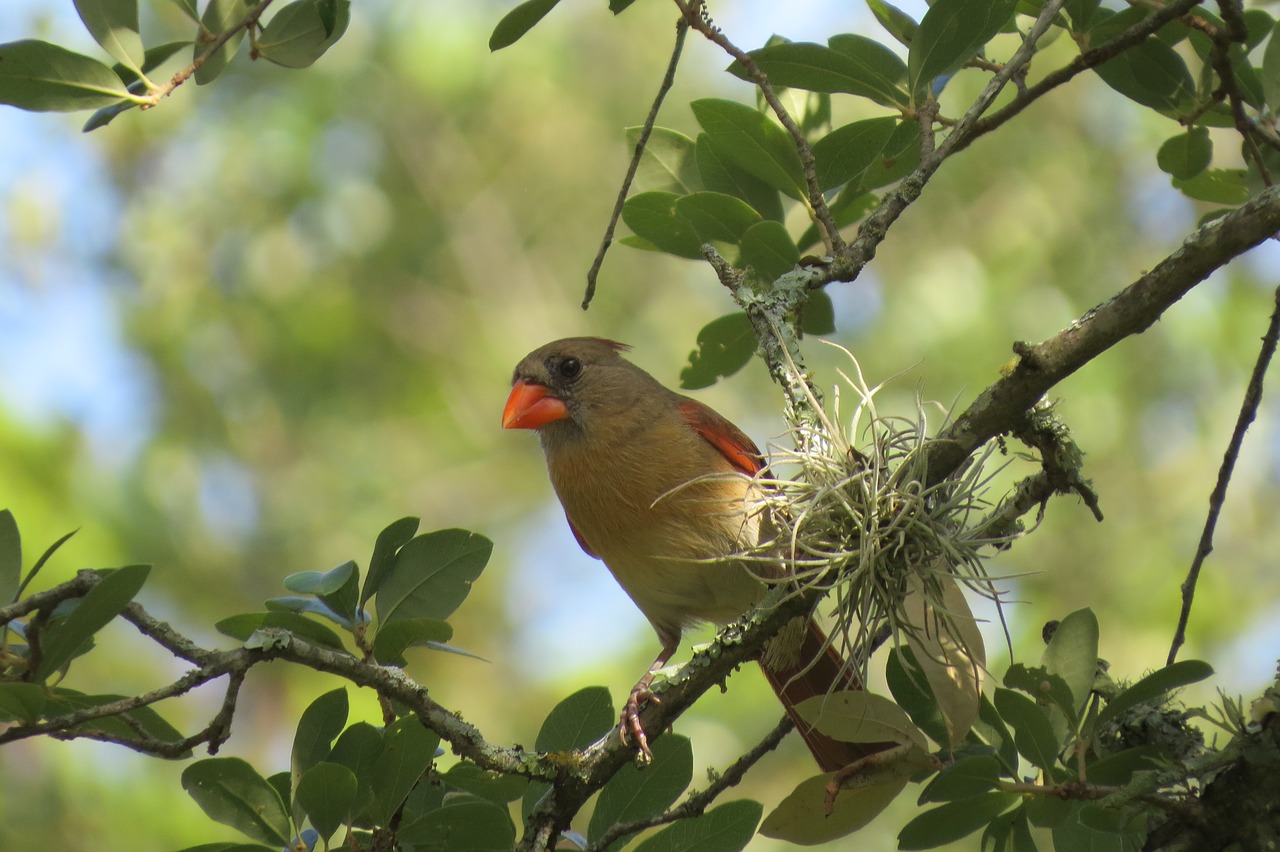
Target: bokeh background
column 242, row 332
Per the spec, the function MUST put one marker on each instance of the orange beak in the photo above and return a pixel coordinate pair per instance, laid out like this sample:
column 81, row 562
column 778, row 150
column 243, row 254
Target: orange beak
column 531, row 405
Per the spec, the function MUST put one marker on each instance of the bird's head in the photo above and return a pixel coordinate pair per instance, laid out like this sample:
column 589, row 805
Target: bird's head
column 576, row 381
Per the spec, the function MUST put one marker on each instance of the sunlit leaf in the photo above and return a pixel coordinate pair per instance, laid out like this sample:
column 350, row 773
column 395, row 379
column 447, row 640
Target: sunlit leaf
column 1271, row 71
column 1217, row 186
column 246, row 624
column 1152, row 74
column 669, row 162
column 231, row 792
column 949, row 651
column 802, row 816
column 1044, row 687
column 852, row 65
column 494, row 786
column 899, row 24
column 860, row 717
column 716, row 216
column 432, row 575
column 519, row 21
column 577, row 721
column 43, row 77
column 21, row 702
column 1072, row 654
column 114, row 25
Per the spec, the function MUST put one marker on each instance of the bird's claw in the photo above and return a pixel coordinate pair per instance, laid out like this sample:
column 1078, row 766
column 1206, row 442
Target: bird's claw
column 629, row 726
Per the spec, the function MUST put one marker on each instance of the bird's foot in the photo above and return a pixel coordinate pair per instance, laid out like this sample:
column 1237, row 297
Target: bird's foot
column 629, row 727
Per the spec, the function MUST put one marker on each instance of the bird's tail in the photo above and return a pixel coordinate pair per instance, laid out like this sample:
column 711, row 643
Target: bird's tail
column 816, row 670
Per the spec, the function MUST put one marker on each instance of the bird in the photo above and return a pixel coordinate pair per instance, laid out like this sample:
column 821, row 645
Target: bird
column 660, row 487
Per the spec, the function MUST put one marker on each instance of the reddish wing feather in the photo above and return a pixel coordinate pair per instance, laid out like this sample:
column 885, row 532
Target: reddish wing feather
column 582, row 542
column 733, row 444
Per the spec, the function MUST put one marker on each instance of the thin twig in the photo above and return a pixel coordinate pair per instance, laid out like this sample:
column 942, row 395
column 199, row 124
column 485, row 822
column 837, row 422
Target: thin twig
column 153, row 97
column 1248, row 411
column 697, row 803
column 695, row 14
column 668, row 79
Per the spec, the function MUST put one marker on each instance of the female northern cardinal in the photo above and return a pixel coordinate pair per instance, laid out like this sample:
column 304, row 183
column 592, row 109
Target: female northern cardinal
column 634, row 466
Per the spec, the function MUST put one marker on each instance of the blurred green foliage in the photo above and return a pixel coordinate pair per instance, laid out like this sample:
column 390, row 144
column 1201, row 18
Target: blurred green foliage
column 326, row 276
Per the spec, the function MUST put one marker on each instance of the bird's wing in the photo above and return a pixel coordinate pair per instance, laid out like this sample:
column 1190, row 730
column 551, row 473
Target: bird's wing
column 582, row 542
column 739, row 450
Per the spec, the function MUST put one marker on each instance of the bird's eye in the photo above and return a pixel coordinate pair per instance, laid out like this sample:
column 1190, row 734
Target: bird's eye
column 570, row 368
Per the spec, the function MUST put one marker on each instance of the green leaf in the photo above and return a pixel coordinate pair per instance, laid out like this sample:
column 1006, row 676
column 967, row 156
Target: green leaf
column 114, row 25
column 494, row 786
column 320, row 583
column 716, row 216
column 311, row 605
column 963, row 779
column 1152, row 74
column 63, row 638
column 21, row 702
column 861, row 717
column 327, row 793
column 1187, row 154
column 668, row 164
column 1099, row 830
column 908, row 687
column 390, row 540
column 1217, row 186
column 358, row 748
column 1044, row 688
column 753, row 142
column 188, row 8
column 653, row 217
column 1032, row 732
column 1081, row 12
column 298, row 34
column 576, row 722
column 474, row 826
column 407, row 751
column 852, row 65
column 899, row 24
column 124, row 726
column 725, row 345
column 321, row 722
column 1156, row 684
column 954, row 820
column 392, row 639
column 950, row 33
column 991, row 728
column 634, row 793
column 231, row 792
column 243, row 626
column 846, row 154
column 519, row 21
column 725, row 828
column 219, row 16
column 818, row 315
column 1072, row 654
column 1271, row 70
column 328, row 15
column 768, row 249
column 720, row 174
column 10, row 557
column 802, row 816
column 432, row 575
column 42, row 77
column 1118, row 769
